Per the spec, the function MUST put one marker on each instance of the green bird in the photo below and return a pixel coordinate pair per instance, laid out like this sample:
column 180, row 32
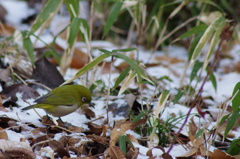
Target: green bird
column 64, row 100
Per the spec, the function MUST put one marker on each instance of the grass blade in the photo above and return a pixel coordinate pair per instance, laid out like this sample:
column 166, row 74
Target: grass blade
column 112, row 17
column 47, row 12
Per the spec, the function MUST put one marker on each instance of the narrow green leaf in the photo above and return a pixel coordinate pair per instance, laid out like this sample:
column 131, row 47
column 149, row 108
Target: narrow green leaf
column 195, row 30
column 138, row 117
column 236, row 98
column 223, row 119
column 121, row 77
column 85, row 30
column 199, row 133
column 74, row 29
column 125, row 50
column 105, row 51
column 232, row 120
column 163, row 97
column 28, row 46
column 234, row 147
column 212, row 79
column 123, row 144
column 178, row 96
column 193, row 46
column 88, row 67
column 112, row 16
column 73, row 7
column 206, row 36
column 49, row 9
column 195, row 70
column 138, row 69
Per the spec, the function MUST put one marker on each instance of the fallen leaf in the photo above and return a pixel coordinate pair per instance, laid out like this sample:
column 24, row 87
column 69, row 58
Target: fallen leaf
column 116, row 152
column 47, row 73
column 117, row 132
column 58, row 148
column 218, row 154
column 27, row 92
column 3, row 134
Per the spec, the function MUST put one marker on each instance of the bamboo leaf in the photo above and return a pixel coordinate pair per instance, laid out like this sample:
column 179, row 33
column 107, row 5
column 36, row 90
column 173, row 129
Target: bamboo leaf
column 112, row 16
column 28, row 46
column 195, row 70
column 178, row 96
column 206, row 36
column 122, row 76
column 232, row 120
column 123, row 144
column 195, row 30
column 74, row 29
column 161, row 102
column 236, row 98
column 49, row 9
column 138, row 69
column 88, row 67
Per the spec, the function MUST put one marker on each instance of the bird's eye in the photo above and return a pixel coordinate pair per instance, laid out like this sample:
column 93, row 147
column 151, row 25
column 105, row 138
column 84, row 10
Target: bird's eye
column 84, row 99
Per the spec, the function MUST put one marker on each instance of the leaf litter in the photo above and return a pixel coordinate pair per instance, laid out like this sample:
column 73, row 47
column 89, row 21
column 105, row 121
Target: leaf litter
column 97, row 132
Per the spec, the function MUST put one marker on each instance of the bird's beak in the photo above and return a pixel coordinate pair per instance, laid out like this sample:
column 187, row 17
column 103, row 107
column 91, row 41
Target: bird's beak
column 91, row 104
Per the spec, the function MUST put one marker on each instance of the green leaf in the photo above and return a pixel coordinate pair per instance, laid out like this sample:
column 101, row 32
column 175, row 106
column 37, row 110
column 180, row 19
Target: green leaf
column 121, row 77
column 123, row 143
column 88, row 67
column 28, row 46
column 195, row 70
column 193, row 46
column 138, row 117
column 199, row 133
column 236, row 98
column 232, row 120
column 224, row 119
column 112, row 16
column 206, row 36
column 163, row 97
column 124, row 50
column 73, row 7
column 74, row 29
column 178, row 96
column 85, row 30
column 212, row 79
column 195, row 30
column 234, row 147
column 48, row 11
column 138, row 69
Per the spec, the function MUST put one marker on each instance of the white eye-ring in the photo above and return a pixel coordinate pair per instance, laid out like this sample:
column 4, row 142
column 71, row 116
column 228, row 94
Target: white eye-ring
column 84, row 99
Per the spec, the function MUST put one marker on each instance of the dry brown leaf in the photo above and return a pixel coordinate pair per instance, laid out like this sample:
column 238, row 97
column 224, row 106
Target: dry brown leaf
column 39, row 131
column 192, row 130
column 6, row 144
column 58, row 148
column 79, row 59
column 18, row 152
column 171, row 60
column 132, row 138
column 95, row 129
column 89, row 113
column 3, row 134
column 132, row 153
column 117, row 133
column 6, row 30
column 116, row 153
column 75, row 129
column 218, row 154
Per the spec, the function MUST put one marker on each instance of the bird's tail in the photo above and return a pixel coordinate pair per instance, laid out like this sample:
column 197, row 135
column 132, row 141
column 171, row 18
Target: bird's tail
column 29, row 107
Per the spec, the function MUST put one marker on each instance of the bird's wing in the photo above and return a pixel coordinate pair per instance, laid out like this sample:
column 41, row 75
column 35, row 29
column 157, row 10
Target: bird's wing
column 61, row 98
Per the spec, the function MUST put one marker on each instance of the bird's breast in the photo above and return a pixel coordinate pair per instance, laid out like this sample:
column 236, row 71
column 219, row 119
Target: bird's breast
column 63, row 110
